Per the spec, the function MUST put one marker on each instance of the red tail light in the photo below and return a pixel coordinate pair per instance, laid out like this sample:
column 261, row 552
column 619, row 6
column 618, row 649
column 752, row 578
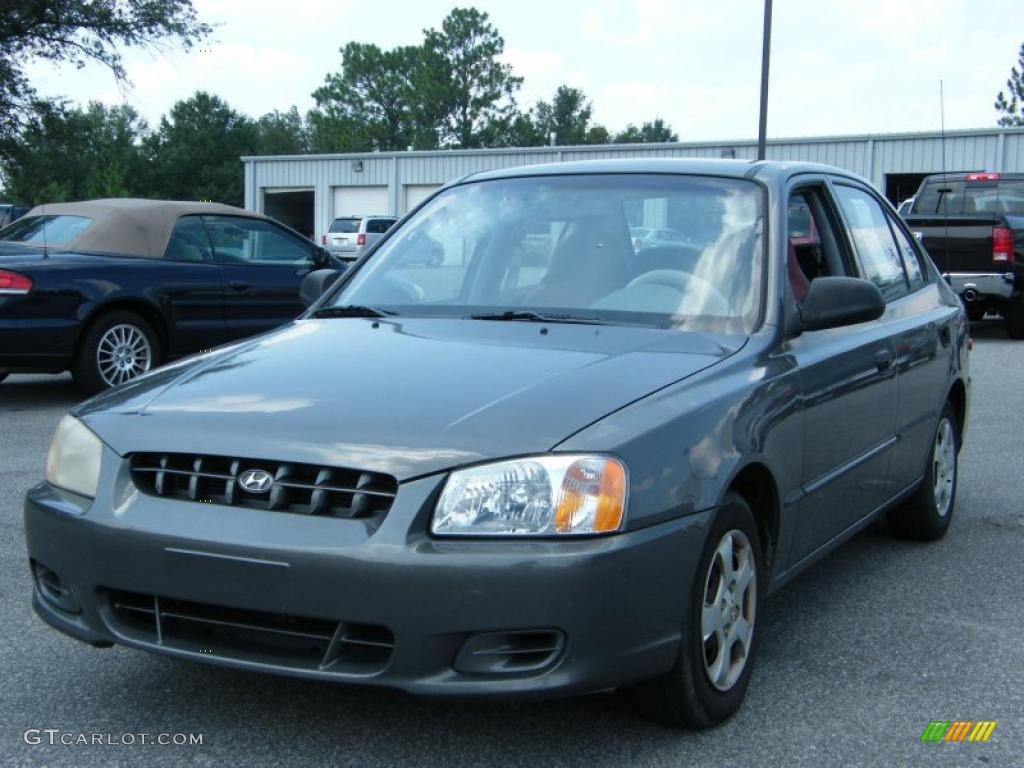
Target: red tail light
column 323, row 239
column 1002, row 246
column 13, row 283
column 983, row 177
column 360, row 239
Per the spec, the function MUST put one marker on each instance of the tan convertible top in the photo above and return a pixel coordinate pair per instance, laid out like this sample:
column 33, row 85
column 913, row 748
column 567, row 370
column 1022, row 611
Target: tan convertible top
column 131, row 226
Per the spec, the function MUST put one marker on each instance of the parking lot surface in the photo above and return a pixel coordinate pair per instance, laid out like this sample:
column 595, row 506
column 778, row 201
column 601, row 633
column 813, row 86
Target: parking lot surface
column 857, row 655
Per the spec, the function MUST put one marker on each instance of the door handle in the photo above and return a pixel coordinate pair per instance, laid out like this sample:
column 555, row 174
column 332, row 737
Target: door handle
column 238, row 285
column 883, row 360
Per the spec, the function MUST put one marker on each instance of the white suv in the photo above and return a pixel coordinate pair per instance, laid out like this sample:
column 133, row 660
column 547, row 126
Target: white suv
column 348, row 237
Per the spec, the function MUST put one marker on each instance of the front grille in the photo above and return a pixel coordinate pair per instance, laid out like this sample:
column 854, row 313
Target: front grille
column 300, row 488
column 252, row 636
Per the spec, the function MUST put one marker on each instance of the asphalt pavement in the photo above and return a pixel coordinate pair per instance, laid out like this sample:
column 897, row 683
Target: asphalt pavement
column 857, row 655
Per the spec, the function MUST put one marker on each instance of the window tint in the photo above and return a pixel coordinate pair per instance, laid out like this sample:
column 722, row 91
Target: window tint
column 941, row 197
column 345, row 225
column 188, row 241
column 378, row 226
column 995, row 197
column 911, row 258
column 49, row 230
column 254, row 241
column 876, row 249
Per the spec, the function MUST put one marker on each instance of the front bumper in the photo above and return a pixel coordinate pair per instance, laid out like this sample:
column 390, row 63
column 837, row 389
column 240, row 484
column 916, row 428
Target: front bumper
column 611, row 608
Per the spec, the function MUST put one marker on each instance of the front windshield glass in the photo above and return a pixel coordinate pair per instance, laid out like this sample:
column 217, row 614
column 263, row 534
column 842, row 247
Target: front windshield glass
column 566, row 246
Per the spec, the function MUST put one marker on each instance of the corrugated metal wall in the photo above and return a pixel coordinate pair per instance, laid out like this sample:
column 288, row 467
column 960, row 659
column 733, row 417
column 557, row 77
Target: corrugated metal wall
column 870, row 156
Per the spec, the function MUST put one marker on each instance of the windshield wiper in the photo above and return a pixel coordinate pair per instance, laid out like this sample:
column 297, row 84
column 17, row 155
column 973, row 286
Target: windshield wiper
column 353, row 310
column 528, row 316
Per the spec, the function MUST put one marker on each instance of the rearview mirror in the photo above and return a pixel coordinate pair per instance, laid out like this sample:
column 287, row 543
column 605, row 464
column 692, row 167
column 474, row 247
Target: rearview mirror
column 832, row 302
column 315, row 284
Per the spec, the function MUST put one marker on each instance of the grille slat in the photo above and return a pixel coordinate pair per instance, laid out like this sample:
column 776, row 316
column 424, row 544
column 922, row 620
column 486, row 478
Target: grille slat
column 296, row 488
column 257, row 636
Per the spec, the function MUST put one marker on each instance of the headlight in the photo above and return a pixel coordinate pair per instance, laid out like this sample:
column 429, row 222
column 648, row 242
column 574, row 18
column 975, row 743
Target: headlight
column 73, row 462
column 545, row 495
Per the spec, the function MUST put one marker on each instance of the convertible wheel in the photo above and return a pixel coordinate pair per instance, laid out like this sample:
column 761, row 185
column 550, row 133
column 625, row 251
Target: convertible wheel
column 710, row 678
column 927, row 514
column 118, row 347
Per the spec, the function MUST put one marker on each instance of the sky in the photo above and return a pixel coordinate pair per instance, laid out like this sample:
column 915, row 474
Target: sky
column 838, row 66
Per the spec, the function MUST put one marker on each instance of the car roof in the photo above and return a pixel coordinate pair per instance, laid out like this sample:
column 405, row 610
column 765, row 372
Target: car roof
column 766, row 170
column 131, row 226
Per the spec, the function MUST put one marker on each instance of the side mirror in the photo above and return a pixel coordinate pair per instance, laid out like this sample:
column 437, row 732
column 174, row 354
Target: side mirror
column 832, row 302
column 321, row 256
column 315, row 284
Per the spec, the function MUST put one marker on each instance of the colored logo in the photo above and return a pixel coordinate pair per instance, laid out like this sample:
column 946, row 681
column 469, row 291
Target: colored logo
column 255, row 480
column 958, row 730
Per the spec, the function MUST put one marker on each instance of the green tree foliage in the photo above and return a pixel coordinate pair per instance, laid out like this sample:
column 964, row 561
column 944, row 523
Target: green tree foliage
column 650, row 132
column 567, row 115
column 68, row 153
column 1010, row 105
column 283, row 133
column 195, row 150
column 475, row 88
column 78, row 32
column 368, row 105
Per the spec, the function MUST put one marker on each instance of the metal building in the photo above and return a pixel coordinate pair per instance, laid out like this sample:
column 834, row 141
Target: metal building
column 308, row 191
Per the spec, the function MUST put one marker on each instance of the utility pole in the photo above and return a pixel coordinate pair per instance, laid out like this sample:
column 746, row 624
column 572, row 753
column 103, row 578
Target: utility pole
column 766, row 46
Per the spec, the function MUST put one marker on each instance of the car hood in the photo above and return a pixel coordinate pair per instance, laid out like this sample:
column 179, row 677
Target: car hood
column 403, row 396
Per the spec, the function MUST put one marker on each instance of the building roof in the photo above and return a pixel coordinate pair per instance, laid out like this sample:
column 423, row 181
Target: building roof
column 130, row 226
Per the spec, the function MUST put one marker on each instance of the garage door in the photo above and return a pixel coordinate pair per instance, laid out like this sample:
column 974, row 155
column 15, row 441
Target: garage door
column 416, row 194
column 359, row 201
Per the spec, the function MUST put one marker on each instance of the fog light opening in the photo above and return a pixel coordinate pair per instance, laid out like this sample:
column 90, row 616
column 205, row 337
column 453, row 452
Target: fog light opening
column 53, row 591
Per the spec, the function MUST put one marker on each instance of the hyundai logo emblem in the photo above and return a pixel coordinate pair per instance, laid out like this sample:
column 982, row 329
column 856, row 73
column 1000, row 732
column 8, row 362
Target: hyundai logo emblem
column 255, row 481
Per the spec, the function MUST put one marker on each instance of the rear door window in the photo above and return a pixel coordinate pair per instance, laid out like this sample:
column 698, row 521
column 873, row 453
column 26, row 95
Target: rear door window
column 912, row 262
column 880, row 261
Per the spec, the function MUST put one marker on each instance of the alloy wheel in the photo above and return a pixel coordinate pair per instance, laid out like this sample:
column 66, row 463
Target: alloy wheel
column 729, row 605
column 123, row 353
column 944, row 467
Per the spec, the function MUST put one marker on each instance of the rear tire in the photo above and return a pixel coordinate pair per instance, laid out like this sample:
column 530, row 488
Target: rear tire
column 116, row 347
column 926, row 515
column 1013, row 318
column 710, row 677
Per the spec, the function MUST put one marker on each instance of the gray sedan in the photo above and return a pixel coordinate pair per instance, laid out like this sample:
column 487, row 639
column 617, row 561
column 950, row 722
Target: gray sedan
column 494, row 479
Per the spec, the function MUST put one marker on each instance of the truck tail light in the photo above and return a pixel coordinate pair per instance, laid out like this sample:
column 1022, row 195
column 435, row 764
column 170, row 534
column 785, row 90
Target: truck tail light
column 983, row 177
column 11, row 283
column 1002, row 246
column 360, row 239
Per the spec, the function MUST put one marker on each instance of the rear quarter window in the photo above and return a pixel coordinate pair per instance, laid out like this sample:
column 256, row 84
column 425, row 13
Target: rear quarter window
column 45, row 230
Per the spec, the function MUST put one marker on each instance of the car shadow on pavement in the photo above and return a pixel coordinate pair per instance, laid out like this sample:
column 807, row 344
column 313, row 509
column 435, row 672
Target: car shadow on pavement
column 990, row 328
column 30, row 393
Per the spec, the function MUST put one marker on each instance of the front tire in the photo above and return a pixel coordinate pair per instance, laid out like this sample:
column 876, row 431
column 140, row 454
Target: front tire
column 927, row 514
column 117, row 347
column 720, row 637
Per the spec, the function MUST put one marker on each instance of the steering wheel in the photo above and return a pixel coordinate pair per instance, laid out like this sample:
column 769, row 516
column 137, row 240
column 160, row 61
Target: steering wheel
column 712, row 301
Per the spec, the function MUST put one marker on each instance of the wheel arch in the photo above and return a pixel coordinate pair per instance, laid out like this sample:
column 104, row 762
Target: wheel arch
column 756, row 484
column 144, row 309
column 958, row 398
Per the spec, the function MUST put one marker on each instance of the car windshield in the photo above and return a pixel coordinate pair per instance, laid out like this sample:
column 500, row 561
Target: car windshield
column 561, row 247
column 345, row 225
column 45, row 230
